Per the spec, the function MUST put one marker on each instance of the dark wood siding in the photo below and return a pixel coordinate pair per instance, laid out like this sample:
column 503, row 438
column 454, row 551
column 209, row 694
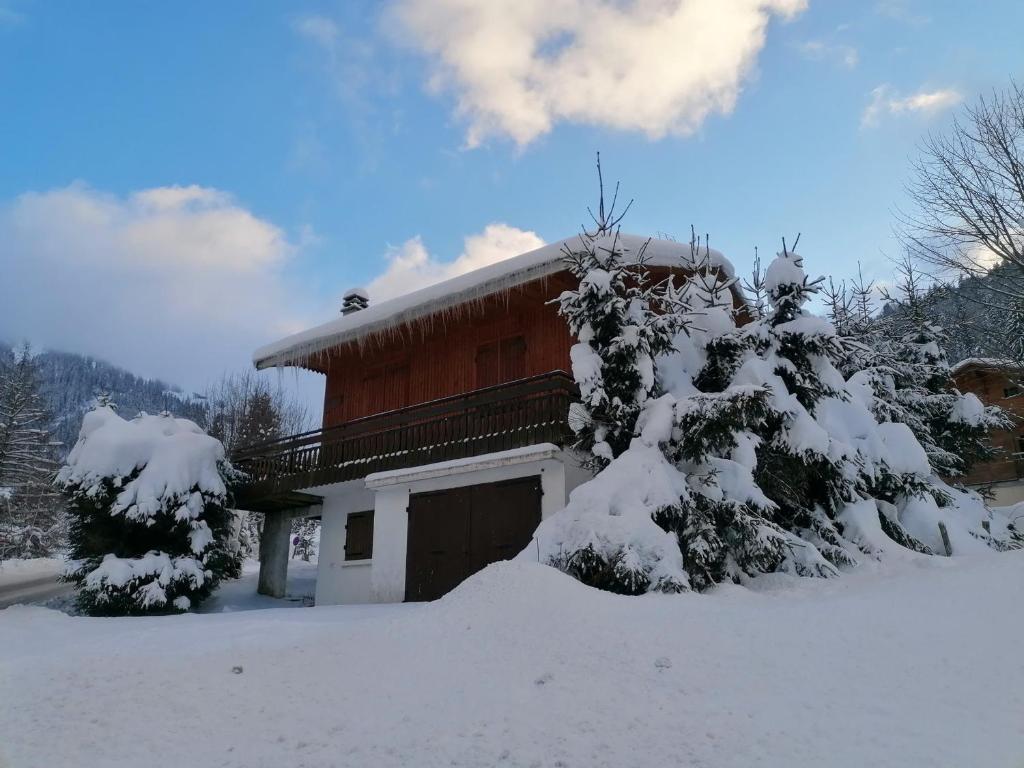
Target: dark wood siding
column 502, row 338
column 454, row 533
column 994, row 387
column 498, row 362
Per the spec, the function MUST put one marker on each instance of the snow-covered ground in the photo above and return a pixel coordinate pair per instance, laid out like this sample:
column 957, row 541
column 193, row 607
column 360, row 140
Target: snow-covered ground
column 918, row 664
column 240, row 594
column 33, row 580
column 15, row 571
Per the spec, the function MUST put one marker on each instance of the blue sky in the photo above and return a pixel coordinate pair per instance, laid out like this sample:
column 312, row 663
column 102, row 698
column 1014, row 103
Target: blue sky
column 314, row 144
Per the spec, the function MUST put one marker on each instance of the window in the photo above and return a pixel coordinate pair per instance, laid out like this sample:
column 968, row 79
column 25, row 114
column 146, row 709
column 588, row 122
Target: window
column 1011, row 390
column 386, row 389
column 500, row 361
column 334, row 409
column 359, row 536
column 513, row 358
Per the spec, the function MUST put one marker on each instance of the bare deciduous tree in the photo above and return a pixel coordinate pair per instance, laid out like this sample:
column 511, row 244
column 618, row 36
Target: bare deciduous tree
column 968, row 192
column 243, row 409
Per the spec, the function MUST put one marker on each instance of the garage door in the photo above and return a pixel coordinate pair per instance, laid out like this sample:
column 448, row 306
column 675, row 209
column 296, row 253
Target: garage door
column 456, row 532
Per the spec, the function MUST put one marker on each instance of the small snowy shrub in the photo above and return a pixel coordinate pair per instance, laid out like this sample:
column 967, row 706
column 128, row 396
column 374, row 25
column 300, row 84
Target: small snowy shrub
column 149, row 529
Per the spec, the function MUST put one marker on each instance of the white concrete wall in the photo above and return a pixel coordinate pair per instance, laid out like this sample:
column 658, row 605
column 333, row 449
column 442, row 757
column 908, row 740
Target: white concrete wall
column 575, row 474
column 382, row 579
column 390, row 539
column 338, row 581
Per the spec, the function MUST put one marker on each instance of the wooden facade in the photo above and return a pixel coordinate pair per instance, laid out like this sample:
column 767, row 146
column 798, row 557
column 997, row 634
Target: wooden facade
column 499, row 339
column 498, row 418
column 492, row 375
column 994, row 386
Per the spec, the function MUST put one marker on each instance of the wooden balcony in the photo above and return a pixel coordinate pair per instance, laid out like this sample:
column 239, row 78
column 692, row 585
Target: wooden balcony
column 499, row 418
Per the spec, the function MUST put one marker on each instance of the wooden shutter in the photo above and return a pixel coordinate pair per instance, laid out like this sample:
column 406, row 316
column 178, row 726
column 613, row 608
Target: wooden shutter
column 334, row 410
column 373, row 392
column 513, row 358
column 359, row 536
column 488, row 365
column 396, row 387
column 500, row 361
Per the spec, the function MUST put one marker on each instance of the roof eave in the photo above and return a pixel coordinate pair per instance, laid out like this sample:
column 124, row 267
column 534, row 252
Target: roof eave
column 302, row 352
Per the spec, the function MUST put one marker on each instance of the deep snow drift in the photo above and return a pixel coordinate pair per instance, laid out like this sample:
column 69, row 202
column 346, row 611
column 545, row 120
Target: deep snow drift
column 917, row 663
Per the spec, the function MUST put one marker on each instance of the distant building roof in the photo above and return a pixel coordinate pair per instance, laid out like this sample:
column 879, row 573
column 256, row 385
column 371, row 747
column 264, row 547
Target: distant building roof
column 494, row 278
column 994, row 363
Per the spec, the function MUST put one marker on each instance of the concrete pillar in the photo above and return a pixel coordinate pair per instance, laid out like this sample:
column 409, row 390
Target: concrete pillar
column 274, row 547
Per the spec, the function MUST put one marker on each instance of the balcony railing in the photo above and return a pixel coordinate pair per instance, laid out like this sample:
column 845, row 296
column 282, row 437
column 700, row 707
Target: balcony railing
column 498, row 418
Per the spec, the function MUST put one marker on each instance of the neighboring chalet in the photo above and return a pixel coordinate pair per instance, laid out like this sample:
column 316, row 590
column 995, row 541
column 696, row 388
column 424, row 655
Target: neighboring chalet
column 444, row 430
column 997, row 383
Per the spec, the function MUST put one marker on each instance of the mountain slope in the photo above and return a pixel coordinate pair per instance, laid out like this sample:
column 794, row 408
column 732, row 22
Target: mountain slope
column 71, row 382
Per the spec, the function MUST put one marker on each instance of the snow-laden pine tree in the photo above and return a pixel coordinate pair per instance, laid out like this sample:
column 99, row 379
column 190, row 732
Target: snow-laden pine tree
column 803, row 464
column 708, row 428
column 950, row 425
column 760, row 456
column 679, row 508
column 31, row 512
column 614, row 318
column 150, row 530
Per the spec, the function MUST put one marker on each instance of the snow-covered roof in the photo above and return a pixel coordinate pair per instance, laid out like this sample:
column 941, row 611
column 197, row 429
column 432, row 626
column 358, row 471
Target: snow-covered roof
column 494, row 278
column 982, row 362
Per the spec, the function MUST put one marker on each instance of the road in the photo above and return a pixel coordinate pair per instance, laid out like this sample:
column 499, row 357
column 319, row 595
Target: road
column 32, row 590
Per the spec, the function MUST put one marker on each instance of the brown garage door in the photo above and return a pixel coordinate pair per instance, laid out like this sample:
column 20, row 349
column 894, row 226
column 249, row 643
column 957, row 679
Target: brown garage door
column 456, row 532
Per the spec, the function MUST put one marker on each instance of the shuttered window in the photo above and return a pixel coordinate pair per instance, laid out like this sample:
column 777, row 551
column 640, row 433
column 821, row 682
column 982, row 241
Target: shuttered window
column 334, row 409
column 373, row 392
column 500, row 361
column 488, row 367
column 513, row 358
column 396, row 387
column 359, row 536
column 386, row 388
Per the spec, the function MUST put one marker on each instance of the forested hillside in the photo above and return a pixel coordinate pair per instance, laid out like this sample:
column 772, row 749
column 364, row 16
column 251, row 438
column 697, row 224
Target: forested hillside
column 964, row 311
column 71, row 382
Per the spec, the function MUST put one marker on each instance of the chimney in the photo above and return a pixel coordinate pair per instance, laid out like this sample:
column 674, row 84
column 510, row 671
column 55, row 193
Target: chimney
column 354, row 300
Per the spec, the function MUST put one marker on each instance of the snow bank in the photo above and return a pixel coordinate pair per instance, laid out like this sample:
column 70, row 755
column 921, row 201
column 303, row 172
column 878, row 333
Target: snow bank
column 914, row 664
column 612, row 516
column 178, row 462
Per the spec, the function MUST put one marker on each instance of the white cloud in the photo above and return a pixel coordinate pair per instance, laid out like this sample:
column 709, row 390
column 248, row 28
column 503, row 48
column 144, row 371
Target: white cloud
column 350, row 60
column 655, row 66
column 410, row 266
column 886, row 101
column 841, row 54
column 901, row 10
column 173, row 282
column 319, row 29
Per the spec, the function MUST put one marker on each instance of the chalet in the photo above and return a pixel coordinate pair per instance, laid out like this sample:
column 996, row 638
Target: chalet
column 444, row 435
column 997, row 382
